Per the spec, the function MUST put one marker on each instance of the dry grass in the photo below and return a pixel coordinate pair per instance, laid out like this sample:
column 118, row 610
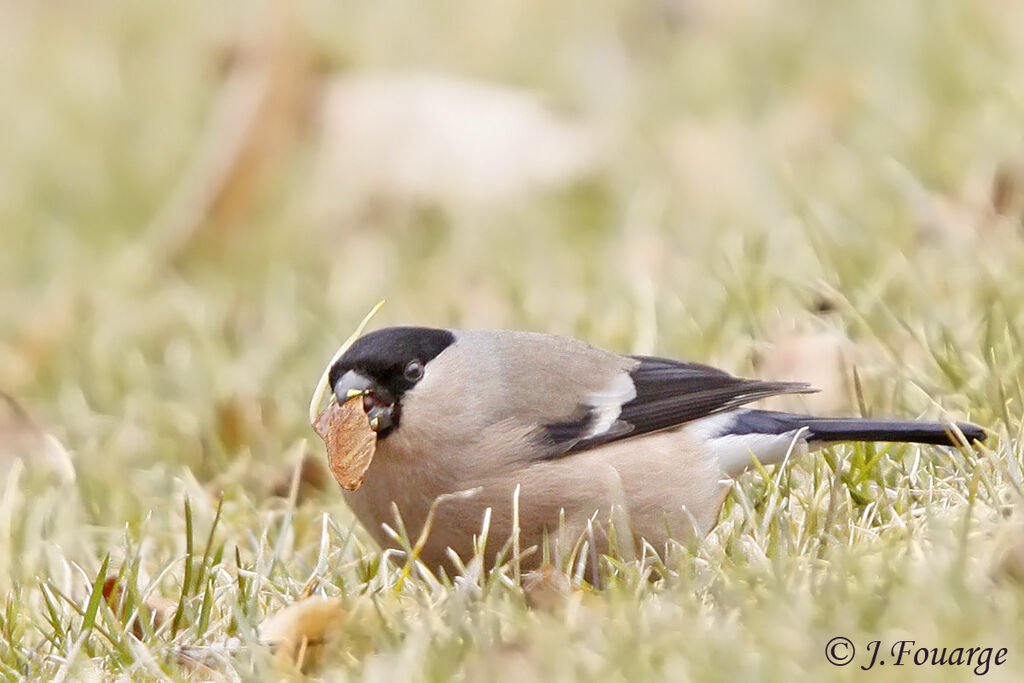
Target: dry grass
column 765, row 170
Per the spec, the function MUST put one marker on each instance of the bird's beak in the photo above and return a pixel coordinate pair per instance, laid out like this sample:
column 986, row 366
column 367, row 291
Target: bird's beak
column 378, row 402
column 352, row 384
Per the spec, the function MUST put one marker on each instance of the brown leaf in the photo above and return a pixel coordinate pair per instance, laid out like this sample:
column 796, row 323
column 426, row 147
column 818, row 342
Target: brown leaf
column 300, row 632
column 350, row 441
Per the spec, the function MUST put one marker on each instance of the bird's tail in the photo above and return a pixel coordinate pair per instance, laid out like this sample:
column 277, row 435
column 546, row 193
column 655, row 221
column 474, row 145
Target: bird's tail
column 823, row 430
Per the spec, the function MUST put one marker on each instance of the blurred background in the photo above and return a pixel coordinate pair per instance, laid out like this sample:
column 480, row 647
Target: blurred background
column 199, row 200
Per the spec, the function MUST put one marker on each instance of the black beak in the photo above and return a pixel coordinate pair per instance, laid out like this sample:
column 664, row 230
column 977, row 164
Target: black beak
column 378, row 402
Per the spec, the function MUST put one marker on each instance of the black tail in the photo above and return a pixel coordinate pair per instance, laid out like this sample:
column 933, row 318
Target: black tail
column 828, row 429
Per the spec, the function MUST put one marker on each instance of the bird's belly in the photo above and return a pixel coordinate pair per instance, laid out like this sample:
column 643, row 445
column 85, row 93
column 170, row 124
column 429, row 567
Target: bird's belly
column 383, row 494
column 653, row 489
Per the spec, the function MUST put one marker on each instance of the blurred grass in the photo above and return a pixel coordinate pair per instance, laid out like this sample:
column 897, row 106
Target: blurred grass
column 764, row 155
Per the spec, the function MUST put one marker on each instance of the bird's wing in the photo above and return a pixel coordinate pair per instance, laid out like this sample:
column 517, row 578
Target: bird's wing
column 668, row 393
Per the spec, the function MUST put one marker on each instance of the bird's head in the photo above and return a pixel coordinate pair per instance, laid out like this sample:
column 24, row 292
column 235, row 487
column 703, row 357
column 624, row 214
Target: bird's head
column 382, row 366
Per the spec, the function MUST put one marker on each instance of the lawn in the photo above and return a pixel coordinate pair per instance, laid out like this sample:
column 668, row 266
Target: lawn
column 199, row 201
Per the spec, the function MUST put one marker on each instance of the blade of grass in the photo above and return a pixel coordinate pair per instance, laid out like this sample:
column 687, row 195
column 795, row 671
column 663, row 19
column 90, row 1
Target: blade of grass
column 96, row 596
column 186, row 583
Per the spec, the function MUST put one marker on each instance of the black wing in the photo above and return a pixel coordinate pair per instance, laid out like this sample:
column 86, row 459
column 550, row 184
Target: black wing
column 668, row 393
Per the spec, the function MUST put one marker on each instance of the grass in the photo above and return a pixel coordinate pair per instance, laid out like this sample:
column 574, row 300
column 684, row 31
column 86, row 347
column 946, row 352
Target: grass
column 762, row 159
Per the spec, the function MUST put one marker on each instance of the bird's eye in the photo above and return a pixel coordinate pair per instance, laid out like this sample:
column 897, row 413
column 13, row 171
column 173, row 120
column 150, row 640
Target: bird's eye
column 414, row 371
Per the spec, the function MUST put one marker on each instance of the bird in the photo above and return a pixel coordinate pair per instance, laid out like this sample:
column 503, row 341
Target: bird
column 556, row 441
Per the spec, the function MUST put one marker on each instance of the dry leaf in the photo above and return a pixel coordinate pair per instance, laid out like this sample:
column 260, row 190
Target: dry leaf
column 350, row 441
column 300, row 632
